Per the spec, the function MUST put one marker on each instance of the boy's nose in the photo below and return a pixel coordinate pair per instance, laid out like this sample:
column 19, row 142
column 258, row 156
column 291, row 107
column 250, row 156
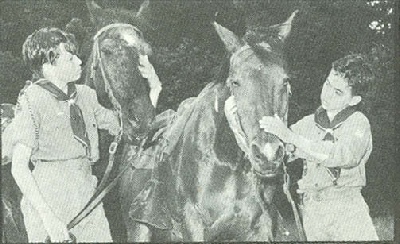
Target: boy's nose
column 78, row 60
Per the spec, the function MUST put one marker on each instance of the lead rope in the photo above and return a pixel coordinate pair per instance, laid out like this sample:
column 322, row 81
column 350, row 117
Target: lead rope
column 101, row 189
column 286, row 184
column 234, row 124
column 261, row 202
column 114, row 145
column 95, row 200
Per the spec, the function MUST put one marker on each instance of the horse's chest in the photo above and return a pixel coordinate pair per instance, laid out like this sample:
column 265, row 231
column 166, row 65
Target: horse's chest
column 227, row 194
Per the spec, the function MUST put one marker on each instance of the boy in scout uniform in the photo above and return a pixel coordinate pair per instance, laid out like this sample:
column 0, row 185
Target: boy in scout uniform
column 336, row 143
column 57, row 124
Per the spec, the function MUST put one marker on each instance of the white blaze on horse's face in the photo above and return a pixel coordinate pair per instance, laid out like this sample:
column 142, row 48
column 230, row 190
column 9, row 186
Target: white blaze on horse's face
column 118, row 49
column 134, row 38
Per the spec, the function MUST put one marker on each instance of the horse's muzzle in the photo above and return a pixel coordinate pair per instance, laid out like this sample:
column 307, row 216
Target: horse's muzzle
column 266, row 154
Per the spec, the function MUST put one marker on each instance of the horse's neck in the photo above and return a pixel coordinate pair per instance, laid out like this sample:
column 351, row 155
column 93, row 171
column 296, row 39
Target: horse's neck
column 225, row 145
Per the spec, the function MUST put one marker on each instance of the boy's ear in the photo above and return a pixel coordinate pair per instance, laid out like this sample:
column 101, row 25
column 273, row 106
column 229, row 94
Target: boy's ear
column 355, row 100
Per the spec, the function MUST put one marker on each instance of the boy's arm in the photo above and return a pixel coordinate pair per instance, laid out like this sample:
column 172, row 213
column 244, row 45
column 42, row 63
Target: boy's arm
column 23, row 144
column 346, row 152
column 295, row 152
column 105, row 118
column 56, row 229
column 147, row 71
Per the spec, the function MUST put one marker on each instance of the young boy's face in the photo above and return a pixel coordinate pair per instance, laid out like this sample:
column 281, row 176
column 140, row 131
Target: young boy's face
column 66, row 67
column 336, row 93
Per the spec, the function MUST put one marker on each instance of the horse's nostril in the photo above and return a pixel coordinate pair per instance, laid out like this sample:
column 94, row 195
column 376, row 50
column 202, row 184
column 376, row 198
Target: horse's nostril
column 133, row 123
column 280, row 153
column 258, row 156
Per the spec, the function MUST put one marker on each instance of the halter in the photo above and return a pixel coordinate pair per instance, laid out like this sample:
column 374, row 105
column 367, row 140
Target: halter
column 97, row 62
column 241, row 139
column 102, row 189
column 240, row 52
column 234, row 121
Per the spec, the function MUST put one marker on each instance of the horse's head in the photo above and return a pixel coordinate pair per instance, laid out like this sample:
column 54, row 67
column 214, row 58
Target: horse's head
column 259, row 86
column 115, row 75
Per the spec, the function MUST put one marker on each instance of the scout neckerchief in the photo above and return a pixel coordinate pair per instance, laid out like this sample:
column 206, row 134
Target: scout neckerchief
column 322, row 121
column 76, row 118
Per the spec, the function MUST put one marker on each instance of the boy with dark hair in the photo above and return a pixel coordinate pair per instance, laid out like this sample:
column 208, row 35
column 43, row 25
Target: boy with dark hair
column 335, row 143
column 56, row 129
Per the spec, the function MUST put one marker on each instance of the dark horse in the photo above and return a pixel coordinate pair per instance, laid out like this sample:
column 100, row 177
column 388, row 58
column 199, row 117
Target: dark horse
column 112, row 69
column 113, row 72
column 214, row 169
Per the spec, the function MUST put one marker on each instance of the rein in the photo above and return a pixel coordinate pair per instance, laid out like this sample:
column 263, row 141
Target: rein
column 286, row 190
column 97, row 61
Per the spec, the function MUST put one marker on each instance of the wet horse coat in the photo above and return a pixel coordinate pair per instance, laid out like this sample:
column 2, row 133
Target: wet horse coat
column 207, row 181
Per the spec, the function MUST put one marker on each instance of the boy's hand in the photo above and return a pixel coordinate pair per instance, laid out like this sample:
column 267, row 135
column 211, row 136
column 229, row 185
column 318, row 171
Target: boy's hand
column 115, row 126
column 230, row 106
column 55, row 228
column 289, row 150
column 274, row 125
column 148, row 72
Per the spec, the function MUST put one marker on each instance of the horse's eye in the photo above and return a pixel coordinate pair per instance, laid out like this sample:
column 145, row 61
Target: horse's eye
column 135, row 118
column 286, row 85
column 235, row 83
column 132, row 115
column 286, row 81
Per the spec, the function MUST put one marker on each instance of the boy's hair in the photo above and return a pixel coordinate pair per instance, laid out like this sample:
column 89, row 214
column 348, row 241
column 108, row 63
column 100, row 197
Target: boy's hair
column 358, row 72
column 41, row 47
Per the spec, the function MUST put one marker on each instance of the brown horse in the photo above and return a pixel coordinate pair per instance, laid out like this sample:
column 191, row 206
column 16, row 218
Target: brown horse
column 113, row 72
column 214, row 170
column 112, row 69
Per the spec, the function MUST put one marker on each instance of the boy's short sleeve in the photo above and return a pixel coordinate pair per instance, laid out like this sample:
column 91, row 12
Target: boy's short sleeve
column 26, row 123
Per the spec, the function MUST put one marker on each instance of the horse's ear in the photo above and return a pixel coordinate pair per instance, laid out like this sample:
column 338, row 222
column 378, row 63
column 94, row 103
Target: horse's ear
column 93, row 9
column 143, row 8
column 231, row 41
column 285, row 27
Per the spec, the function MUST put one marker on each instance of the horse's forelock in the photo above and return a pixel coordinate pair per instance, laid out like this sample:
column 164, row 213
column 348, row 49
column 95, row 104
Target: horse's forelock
column 268, row 53
column 119, row 50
